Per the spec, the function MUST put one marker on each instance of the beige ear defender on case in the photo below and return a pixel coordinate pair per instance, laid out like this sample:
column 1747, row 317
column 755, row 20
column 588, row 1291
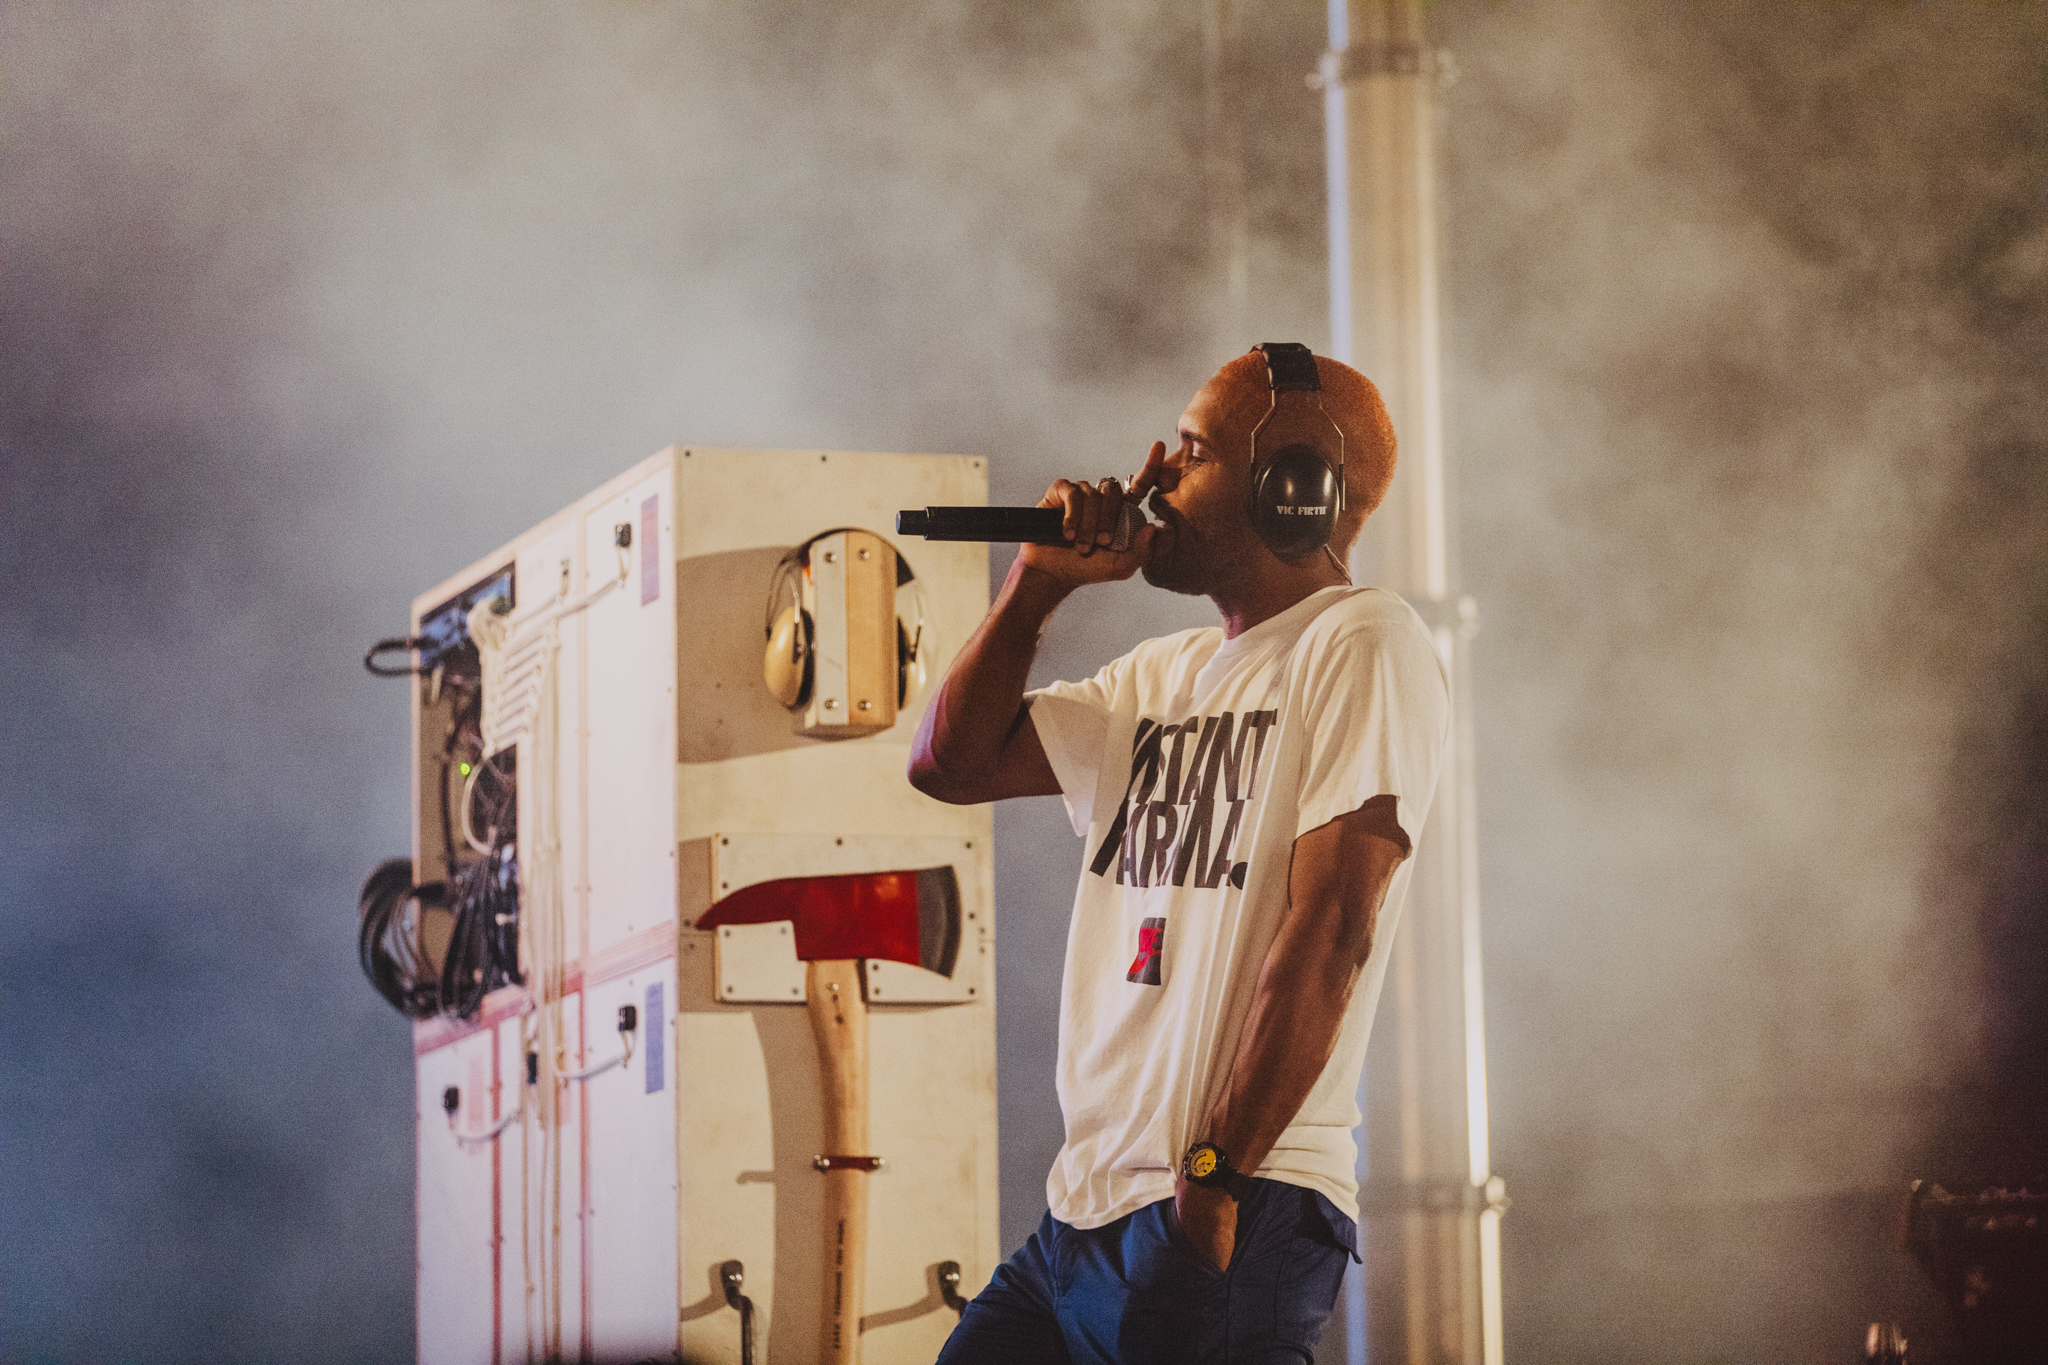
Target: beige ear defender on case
column 858, row 587
column 786, row 667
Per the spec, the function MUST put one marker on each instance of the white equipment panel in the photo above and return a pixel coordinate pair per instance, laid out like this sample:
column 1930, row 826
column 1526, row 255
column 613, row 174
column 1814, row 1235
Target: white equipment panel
column 592, row 1181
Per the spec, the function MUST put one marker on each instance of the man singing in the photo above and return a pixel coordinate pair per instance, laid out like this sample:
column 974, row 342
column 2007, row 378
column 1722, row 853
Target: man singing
column 1249, row 796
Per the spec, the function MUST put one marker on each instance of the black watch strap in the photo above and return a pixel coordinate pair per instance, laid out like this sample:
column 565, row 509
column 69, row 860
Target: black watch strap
column 1209, row 1166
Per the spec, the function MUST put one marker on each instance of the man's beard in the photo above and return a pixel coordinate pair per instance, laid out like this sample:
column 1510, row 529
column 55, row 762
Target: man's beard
column 1183, row 561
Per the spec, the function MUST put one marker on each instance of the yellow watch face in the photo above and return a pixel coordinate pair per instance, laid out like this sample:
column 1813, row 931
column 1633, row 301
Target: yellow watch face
column 1202, row 1164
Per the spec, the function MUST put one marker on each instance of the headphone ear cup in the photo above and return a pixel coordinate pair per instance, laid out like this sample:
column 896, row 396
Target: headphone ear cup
column 786, row 665
column 910, row 627
column 909, row 665
column 1294, row 501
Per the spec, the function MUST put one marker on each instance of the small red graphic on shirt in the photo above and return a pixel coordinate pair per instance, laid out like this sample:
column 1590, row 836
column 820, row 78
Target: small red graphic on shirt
column 1151, row 938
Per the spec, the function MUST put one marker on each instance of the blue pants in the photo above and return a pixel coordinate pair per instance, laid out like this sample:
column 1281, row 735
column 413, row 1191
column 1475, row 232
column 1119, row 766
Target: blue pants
column 1134, row 1292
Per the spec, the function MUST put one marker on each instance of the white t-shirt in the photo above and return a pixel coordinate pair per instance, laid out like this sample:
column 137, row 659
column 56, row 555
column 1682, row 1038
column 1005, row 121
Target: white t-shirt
column 1190, row 766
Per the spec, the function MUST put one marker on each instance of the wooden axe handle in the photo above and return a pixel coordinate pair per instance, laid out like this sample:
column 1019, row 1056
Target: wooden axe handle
column 839, row 1019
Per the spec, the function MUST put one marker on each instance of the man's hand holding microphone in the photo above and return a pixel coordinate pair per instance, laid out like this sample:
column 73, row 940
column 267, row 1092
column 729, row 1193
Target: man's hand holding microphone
column 1090, row 515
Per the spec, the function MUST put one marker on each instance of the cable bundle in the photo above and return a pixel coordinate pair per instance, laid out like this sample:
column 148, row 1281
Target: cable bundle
column 388, row 939
column 482, row 899
column 483, row 951
column 505, row 711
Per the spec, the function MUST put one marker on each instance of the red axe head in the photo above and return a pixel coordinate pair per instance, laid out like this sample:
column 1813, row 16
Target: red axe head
column 911, row 917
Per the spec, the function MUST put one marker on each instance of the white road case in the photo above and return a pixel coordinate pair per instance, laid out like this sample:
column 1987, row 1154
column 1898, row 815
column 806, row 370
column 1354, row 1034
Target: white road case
column 588, row 1219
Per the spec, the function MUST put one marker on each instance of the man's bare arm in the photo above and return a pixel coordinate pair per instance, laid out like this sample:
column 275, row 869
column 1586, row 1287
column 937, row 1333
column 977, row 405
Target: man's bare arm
column 1335, row 887
column 976, row 742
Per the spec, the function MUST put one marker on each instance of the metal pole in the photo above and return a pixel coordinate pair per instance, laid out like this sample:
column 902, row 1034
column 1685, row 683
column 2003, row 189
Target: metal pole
column 1430, row 1293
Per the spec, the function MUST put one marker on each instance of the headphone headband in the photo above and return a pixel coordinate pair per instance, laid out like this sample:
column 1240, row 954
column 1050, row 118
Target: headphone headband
column 1290, row 367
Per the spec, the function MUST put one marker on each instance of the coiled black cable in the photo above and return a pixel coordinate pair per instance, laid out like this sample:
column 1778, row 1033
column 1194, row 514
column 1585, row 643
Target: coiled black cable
column 388, row 941
column 483, row 945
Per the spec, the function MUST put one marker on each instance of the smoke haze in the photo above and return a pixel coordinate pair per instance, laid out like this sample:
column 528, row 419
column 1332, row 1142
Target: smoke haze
column 305, row 307
column 1749, row 336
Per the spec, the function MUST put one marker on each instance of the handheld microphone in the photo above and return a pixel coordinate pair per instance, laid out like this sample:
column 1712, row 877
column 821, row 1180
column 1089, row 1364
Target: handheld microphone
column 1035, row 525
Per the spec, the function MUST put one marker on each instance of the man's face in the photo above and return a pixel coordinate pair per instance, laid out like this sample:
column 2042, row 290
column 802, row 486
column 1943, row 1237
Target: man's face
column 1205, row 537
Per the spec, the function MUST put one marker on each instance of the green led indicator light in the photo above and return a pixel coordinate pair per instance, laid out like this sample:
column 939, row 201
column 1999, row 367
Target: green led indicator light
column 465, row 769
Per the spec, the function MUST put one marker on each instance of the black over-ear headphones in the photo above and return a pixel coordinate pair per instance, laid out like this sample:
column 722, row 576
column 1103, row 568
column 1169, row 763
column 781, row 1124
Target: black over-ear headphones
column 1297, row 490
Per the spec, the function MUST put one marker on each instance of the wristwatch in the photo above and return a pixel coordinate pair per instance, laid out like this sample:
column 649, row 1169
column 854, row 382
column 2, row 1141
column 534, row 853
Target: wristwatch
column 1209, row 1166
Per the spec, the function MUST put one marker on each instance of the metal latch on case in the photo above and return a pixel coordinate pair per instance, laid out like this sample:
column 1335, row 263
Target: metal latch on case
column 846, row 1163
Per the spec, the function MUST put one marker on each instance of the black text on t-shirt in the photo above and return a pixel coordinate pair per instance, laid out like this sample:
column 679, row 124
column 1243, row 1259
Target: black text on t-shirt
column 1185, row 779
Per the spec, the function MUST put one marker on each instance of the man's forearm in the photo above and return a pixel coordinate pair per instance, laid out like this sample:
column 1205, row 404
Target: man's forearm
column 1336, row 885
column 979, row 705
column 1296, row 1016
column 1297, row 1012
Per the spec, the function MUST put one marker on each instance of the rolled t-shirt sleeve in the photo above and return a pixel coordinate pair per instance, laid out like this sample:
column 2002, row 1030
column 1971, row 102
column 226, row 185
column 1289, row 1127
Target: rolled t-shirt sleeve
column 1072, row 721
column 1377, row 710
